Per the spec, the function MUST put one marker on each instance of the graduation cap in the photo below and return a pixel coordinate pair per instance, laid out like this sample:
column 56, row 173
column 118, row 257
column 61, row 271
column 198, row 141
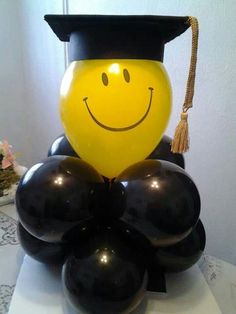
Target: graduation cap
column 129, row 37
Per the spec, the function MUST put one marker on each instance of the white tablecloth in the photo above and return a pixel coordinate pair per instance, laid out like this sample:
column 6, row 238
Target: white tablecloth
column 11, row 255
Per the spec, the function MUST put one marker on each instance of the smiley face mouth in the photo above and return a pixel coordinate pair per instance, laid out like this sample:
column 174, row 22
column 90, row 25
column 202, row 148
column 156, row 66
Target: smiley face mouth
column 126, row 128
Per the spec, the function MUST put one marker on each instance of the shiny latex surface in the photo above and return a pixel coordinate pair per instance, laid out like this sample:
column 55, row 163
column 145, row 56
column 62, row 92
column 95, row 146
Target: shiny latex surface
column 156, row 278
column 105, row 274
column 61, row 146
column 58, row 194
column 114, row 112
column 45, row 252
column 159, row 199
column 184, row 254
column 163, row 152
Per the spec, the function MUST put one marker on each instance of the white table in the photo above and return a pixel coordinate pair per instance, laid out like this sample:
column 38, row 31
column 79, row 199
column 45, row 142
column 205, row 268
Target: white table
column 38, row 291
column 219, row 275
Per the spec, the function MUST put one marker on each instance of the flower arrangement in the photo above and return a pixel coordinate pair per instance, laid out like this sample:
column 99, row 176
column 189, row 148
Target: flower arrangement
column 8, row 174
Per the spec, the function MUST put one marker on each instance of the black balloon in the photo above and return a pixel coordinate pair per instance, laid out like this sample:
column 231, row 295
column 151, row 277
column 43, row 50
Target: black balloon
column 184, row 254
column 58, row 194
column 45, row 252
column 133, row 235
column 163, row 152
column 61, row 146
column 157, row 198
column 105, row 274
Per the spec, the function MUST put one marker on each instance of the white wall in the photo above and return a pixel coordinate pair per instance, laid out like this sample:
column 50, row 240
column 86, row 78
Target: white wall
column 43, row 58
column 32, row 64
column 211, row 160
column 12, row 97
column 31, row 68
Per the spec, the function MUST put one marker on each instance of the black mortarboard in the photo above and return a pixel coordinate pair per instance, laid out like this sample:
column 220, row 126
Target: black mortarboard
column 116, row 36
column 130, row 37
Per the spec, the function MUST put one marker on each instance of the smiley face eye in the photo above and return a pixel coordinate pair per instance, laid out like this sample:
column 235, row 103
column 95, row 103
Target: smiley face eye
column 105, row 79
column 126, row 75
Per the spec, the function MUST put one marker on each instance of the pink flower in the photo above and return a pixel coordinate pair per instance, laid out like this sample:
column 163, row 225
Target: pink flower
column 8, row 157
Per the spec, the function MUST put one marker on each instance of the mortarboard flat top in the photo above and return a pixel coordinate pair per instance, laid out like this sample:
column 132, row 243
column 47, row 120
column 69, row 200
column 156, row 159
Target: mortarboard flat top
column 117, row 36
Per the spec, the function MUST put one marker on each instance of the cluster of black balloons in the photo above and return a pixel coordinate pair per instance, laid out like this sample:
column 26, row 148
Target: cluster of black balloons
column 115, row 238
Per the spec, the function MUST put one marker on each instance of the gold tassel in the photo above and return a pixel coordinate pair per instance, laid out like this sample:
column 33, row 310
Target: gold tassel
column 180, row 143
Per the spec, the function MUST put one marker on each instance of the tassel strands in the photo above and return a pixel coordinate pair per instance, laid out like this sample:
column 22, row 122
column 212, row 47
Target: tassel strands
column 180, row 143
column 181, row 139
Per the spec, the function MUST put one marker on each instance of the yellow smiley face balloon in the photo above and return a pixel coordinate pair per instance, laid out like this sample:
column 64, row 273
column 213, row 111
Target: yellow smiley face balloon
column 114, row 112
